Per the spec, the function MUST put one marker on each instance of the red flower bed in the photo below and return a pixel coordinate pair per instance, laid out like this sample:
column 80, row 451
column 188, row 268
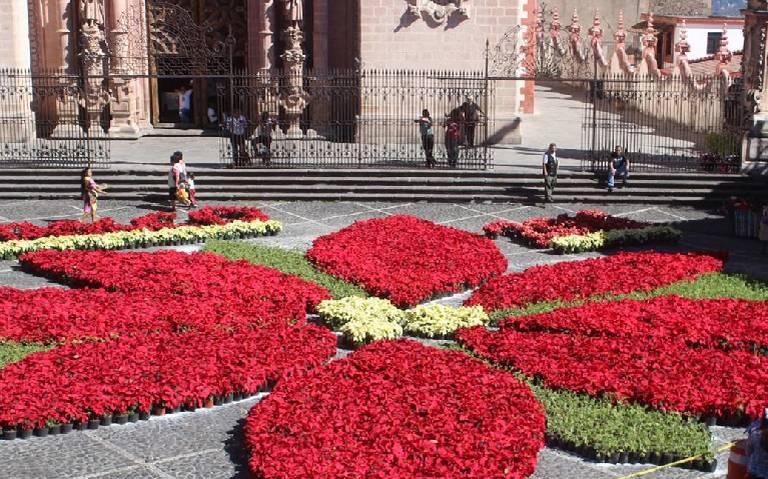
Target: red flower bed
column 407, row 259
column 539, row 231
column 660, row 371
column 397, row 410
column 219, row 215
column 151, row 221
column 76, row 382
column 569, row 281
column 238, row 287
column 716, row 323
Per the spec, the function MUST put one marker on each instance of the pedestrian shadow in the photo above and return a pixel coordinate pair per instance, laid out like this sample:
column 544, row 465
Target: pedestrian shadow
column 234, row 446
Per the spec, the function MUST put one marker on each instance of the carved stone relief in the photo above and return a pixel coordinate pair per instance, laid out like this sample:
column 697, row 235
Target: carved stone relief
column 437, row 12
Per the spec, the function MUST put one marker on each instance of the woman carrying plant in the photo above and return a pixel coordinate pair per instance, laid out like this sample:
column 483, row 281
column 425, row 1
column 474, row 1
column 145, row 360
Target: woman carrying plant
column 89, row 191
column 757, row 450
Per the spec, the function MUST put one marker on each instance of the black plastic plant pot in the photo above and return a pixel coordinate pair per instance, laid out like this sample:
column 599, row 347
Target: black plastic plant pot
column 24, row 433
column 121, row 419
column 217, row 401
column 654, row 458
column 9, row 434
column 143, row 415
column 133, row 417
column 624, row 458
column 709, row 466
column 41, row 431
column 710, row 421
column 54, row 430
column 614, row 458
column 106, row 420
column 175, row 410
column 228, row 398
column 667, row 458
column 80, row 425
column 94, row 423
column 66, row 428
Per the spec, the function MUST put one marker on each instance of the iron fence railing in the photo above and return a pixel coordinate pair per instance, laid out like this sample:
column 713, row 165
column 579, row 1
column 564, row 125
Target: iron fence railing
column 43, row 123
column 666, row 125
column 355, row 118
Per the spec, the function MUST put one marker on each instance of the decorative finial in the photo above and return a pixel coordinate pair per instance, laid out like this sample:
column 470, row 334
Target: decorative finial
column 682, row 47
column 621, row 34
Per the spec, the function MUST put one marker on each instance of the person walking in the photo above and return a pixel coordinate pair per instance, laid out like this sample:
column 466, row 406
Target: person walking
column 427, row 137
column 452, row 140
column 192, row 189
column 618, row 166
column 472, row 115
column 89, row 191
column 550, row 164
column 237, row 125
column 176, row 177
column 757, row 450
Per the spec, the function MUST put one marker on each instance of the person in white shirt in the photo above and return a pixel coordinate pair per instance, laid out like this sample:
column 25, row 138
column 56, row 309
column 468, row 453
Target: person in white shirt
column 549, row 166
column 185, row 104
column 237, row 125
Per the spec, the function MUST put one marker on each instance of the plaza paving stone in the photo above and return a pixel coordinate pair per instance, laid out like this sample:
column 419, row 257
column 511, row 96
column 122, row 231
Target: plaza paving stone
column 208, row 443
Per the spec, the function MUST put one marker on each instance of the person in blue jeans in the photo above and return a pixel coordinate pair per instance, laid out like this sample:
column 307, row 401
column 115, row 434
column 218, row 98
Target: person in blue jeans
column 618, row 166
column 757, row 449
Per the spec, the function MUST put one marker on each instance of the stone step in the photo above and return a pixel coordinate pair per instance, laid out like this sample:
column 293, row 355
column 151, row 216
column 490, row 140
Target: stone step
column 360, row 172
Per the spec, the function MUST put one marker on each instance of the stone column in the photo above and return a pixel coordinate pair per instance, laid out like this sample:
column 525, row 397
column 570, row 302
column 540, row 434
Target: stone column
column 18, row 123
column 92, row 59
column 320, row 103
column 293, row 98
column 60, row 57
column 124, row 104
column 754, row 69
column 266, row 33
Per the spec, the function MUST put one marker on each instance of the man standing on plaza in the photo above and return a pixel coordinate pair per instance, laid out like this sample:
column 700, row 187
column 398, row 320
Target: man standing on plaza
column 550, row 171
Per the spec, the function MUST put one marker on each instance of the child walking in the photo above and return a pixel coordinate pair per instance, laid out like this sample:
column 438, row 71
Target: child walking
column 191, row 189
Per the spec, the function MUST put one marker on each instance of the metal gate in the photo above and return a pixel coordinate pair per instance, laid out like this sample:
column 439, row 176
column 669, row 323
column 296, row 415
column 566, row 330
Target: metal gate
column 354, row 118
column 43, row 122
column 664, row 125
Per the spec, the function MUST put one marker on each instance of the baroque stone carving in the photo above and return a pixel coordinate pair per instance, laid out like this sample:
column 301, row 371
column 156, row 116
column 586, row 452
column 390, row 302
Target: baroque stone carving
column 436, row 11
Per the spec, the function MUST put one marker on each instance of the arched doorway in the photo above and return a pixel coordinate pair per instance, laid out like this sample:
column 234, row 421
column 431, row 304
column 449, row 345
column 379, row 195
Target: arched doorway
column 193, row 46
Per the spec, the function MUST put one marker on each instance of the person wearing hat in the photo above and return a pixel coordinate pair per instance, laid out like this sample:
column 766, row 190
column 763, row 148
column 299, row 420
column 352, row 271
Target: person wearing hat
column 757, row 450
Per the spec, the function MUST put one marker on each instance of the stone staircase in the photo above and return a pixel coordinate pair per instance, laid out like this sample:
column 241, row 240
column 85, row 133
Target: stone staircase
column 384, row 185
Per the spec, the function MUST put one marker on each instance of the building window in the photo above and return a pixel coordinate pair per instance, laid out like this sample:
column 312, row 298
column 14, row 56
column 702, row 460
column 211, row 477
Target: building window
column 713, row 42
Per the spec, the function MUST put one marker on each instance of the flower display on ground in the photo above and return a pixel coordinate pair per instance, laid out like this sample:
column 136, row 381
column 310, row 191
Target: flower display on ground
column 568, row 281
column 397, row 409
column 151, row 329
column 79, row 382
column 407, row 259
column 587, row 230
column 539, row 231
column 362, row 320
column 260, row 292
column 219, row 215
column 151, row 229
column 650, row 352
column 439, row 321
column 712, row 323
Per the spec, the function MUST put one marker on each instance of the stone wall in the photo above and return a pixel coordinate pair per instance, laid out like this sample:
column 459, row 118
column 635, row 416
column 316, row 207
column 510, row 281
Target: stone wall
column 682, row 7
column 392, row 37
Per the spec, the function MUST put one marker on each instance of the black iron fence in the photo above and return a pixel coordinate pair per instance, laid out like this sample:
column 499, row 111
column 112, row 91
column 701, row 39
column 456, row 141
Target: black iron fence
column 354, row 118
column 665, row 125
column 43, row 122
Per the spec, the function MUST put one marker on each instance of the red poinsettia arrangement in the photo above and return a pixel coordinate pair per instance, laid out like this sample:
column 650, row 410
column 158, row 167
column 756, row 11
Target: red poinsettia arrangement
column 573, row 280
column 539, row 231
column 161, row 328
column 250, row 289
column 219, row 215
column 81, row 381
column 397, row 409
column 407, row 259
column 209, row 215
column 670, row 353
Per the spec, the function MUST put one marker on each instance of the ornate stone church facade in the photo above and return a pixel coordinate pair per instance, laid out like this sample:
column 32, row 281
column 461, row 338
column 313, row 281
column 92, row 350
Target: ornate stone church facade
column 135, row 56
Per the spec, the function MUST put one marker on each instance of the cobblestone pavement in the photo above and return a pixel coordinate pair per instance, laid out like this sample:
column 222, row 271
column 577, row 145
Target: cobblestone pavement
column 208, row 443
